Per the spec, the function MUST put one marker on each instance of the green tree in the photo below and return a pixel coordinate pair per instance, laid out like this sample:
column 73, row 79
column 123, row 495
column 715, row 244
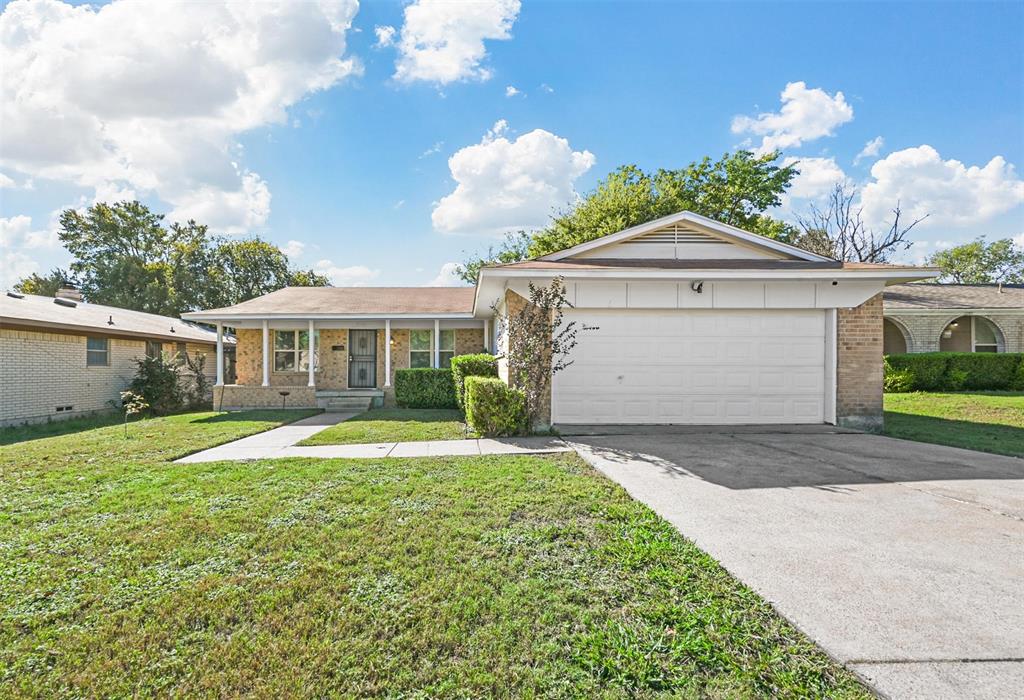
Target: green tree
column 45, row 286
column 513, row 249
column 978, row 262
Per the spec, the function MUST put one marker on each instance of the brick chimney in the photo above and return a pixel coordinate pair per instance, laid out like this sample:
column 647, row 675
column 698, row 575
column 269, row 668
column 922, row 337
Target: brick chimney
column 69, row 291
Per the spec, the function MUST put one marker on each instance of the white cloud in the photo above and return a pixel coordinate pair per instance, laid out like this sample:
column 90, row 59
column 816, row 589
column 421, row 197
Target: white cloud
column 443, row 42
column 385, row 36
column 7, row 182
column 149, row 97
column 18, row 240
column 871, row 149
column 512, row 91
column 506, row 184
column 949, row 192
column 351, row 276
column 293, row 249
column 806, row 115
column 447, row 277
column 547, row 88
column 436, row 148
column 816, row 179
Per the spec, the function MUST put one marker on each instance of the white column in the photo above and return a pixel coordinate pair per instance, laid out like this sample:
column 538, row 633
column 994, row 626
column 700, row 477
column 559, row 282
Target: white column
column 220, row 355
column 387, row 352
column 487, row 336
column 437, row 343
column 312, row 354
column 266, row 353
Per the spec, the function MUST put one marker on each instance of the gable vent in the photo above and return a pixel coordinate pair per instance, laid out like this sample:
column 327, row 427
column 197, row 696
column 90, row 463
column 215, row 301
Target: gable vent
column 674, row 235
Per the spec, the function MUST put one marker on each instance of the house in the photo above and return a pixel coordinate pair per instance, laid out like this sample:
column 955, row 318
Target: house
column 693, row 321
column 61, row 357
column 953, row 318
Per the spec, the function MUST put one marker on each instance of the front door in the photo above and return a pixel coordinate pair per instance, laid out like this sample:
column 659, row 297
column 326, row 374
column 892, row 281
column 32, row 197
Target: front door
column 362, row 359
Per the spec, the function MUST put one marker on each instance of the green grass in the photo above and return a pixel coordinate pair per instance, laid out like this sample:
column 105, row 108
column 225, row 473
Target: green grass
column 394, row 425
column 124, row 574
column 989, row 422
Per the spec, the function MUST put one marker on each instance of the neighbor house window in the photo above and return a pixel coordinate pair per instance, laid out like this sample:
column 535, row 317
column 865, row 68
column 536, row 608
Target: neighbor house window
column 291, row 351
column 154, row 348
column 97, row 352
column 180, row 353
column 421, row 348
column 985, row 335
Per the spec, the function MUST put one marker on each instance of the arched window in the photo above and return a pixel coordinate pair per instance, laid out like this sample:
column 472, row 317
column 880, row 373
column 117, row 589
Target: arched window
column 987, row 337
column 971, row 334
column 894, row 341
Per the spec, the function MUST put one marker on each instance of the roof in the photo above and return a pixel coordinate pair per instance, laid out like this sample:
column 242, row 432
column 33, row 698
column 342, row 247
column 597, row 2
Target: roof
column 725, row 231
column 46, row 312
column 953, row 296
column 693, row 264
column 351, row 301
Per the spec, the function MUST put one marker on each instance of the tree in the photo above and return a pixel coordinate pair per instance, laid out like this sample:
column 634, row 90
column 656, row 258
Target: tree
column 125, row 256
column 736, row 189
column 45, row 286
column 978, row 262
column 839, row 231
column 513, row 249
column 539, row 344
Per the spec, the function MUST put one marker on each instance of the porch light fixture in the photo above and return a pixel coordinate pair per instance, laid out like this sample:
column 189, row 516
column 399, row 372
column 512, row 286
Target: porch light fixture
column 391, row 340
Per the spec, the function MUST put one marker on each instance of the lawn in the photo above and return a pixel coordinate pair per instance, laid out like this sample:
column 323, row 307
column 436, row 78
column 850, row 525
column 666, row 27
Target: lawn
column 990, row 422
column 394, row 425
column 124, row 574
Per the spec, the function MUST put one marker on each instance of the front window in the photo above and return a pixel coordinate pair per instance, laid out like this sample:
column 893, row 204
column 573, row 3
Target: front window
column 154, row 349
column 180, row 354
column 986, row 337
column 421, row 348
column 97, row 352
column 291, row 351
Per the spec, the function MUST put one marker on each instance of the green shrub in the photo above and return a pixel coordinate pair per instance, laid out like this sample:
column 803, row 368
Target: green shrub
column 494, row 409
column 156, row 381
column 482, row 365
column 954, row 371
column 424, row 388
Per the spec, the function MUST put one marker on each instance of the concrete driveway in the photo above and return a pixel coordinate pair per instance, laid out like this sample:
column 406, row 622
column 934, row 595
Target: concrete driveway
column 904, row 561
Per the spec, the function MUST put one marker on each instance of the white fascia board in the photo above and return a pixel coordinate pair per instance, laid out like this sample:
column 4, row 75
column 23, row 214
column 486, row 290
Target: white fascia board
column 724, row 229
column 890, row 277
column 223, row 318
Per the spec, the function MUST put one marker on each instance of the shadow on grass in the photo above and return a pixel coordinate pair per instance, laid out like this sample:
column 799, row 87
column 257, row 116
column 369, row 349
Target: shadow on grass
column 56, row 428
column 984, row 437
column 419, row 415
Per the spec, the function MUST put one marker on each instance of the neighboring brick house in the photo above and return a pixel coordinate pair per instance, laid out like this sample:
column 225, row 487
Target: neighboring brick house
column 954, row 318
column 693, row 321
column 61, row 357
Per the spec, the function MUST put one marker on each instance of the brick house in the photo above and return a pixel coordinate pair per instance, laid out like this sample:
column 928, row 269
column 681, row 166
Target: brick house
column 953, row 318
column 61, row 357
column 693, row 322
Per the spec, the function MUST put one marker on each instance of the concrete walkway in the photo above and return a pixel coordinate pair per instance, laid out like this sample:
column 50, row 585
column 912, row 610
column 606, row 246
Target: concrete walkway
column 281, row 442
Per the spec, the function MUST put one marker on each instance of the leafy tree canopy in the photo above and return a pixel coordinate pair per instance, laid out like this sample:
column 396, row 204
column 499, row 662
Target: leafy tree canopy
column 125, row 256
column 736, row 189
column 45, row 286
column 979, row 262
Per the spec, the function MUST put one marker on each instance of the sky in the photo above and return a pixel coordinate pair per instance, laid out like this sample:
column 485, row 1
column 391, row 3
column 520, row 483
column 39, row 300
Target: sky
column 380, row 143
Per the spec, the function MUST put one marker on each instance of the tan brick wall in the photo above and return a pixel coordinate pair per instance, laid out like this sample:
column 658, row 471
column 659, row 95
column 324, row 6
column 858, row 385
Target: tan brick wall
column 234, row 397
column 469, row 341
column 40, row 371
column 925, row 330
column 859, row 366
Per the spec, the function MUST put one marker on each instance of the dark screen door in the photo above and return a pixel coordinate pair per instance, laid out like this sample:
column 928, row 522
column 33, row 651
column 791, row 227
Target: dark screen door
column 362, row 359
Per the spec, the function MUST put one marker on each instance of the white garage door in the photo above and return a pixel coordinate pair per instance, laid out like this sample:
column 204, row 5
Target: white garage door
column 694, row 366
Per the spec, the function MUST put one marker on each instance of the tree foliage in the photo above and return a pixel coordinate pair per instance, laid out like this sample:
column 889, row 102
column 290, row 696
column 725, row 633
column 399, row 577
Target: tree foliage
column 838, row 230
column 539, row 344
column 736, row 189
column 978, row 262
column 45, row 286
column 124, row 255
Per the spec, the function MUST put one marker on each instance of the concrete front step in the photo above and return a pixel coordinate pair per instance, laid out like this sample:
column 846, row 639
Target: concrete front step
column 347, row 405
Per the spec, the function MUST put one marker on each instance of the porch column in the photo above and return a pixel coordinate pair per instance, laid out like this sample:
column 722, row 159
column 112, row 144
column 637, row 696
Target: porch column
column 487, row 336
column 437, row 343
column 387, row 352
column 266, row 353
column 312, row 354
column 220, row 355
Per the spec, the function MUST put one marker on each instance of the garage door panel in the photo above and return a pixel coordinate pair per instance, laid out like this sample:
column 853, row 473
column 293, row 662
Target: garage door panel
column 695, row 366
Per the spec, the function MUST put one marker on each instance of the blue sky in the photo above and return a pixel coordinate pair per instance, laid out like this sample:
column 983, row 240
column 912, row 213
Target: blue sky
column 379, row 142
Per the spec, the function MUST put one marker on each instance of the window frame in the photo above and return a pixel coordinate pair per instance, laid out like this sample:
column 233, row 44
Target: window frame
column 445, row 354
column 297, row 351
column 89, row 352
column 150, row 345
column 974, row 336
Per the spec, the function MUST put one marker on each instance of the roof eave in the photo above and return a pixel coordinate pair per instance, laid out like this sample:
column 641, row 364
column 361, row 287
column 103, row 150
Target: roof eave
column 110, row 331
column 213, row 316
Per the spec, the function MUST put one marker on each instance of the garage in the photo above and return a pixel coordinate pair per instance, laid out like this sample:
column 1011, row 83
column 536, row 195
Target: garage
column 695, row 366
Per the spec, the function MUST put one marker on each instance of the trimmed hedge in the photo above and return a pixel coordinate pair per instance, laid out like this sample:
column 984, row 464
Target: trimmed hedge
column 424, row 388
column 494, row 409
column 463, row 366
column 954, row 371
